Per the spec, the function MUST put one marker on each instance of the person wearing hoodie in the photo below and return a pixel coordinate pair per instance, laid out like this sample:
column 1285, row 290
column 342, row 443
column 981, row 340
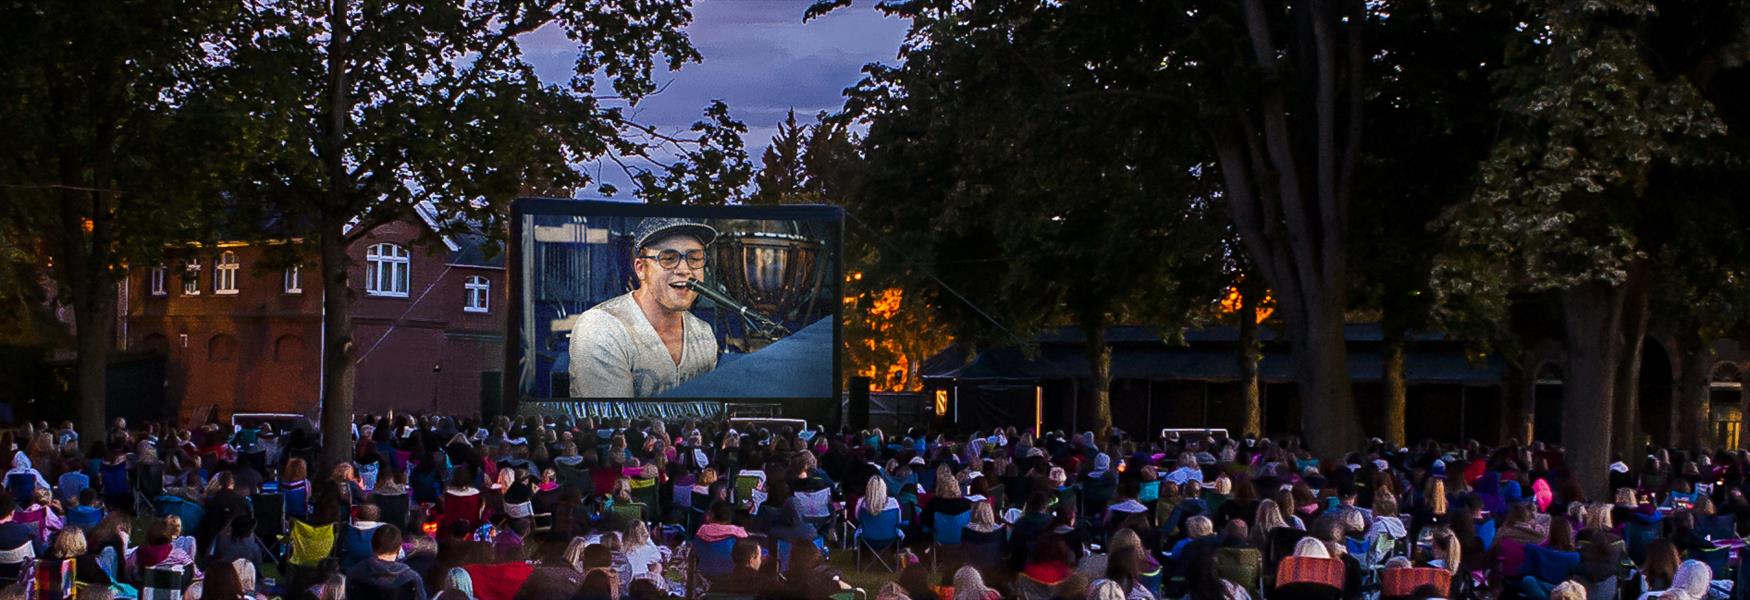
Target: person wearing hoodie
column 381, row 575
column 21, row 466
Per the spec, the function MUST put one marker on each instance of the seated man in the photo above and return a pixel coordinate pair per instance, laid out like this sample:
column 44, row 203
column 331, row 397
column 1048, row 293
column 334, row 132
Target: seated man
column 380, row 575
column 746, row 578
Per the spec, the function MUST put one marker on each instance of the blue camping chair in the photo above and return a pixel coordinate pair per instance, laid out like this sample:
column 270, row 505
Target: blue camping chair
column 297, row 499
column 945, row 533
column 1486, row 533
column 190, row 512
column 1550, row 566
column 1718, row 559
column 1635, row 536
column 354, row 545
column 714, row 559
column 22, row 486
column 879, row 533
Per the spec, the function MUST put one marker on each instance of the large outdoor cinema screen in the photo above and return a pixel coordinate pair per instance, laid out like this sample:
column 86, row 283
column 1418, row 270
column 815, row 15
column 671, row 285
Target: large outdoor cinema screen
column 636, row 302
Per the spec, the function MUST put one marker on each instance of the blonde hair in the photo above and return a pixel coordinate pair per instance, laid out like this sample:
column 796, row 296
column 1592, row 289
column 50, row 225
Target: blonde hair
column 1447, row 543
column 1199, row 526
column 1568, row 590
column 69, row 543
column 875, row 495
column 1224, row 486
column 1311, row 547
column 637, row 534
column 1626, row 497
column 1269, row 516
column 983, row 515
column 245, row 574
column 946, row 485
column 1598, row 517
column 1437, row 497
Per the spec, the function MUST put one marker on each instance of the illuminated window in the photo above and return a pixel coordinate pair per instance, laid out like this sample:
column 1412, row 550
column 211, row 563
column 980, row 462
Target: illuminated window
column 225, row 274
column 386, row 270
column 156, row 277
column 294, row 279
column 941, row 403
column 191, row 277
column 479, row 290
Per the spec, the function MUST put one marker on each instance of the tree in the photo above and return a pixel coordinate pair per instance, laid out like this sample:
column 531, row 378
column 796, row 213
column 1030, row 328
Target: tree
column 988, row 191
column 106, row 158
column 783, row 174
column 1598, row 108
column 1432, row 100
column 369, row 108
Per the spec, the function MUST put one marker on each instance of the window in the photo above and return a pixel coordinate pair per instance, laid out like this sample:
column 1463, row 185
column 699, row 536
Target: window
column 386, row 270
column 191, row 277
column 225, row 274
column 294, row 279
column 479, row 290
column 156, row 277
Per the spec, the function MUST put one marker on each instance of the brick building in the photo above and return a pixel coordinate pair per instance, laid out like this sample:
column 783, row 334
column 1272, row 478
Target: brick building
column 428, row 318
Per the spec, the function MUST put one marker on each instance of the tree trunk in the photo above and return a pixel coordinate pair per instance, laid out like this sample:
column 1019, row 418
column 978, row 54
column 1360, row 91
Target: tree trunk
column 1100, row 378
column 1592, row 318
column 1248, row 356
column 1392, row 379
column 1695, row 427
column 84, row 264
column 337, row 356
column 1627, row 399
column 1321, row 364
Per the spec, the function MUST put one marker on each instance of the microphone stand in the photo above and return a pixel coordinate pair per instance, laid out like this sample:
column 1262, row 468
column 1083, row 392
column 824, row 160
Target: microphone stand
column 758, row 324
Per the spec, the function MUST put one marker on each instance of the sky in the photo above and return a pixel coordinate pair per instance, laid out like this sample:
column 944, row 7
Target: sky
column 758, row 57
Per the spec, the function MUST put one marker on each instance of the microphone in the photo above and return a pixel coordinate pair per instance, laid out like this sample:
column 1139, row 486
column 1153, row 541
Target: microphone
column 753, row 316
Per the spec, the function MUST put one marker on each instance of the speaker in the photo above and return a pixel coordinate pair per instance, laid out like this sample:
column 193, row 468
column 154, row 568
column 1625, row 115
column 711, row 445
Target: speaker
column 857, row 410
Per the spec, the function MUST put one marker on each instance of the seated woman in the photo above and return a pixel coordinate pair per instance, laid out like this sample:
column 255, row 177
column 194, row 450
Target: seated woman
column 982, row 539
column 1684, row 534
column 1123, row 505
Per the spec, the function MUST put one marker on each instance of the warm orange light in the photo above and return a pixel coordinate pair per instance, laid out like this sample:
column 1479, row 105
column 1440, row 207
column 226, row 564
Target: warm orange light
column 88, row 225
column 1230, row 303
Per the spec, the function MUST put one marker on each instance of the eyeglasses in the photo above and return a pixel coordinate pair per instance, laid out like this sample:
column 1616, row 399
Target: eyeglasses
column 669, row 259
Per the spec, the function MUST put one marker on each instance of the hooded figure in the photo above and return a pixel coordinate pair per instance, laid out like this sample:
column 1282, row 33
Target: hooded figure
column 1102, row 466
column 21, row 466
column 1690, row 582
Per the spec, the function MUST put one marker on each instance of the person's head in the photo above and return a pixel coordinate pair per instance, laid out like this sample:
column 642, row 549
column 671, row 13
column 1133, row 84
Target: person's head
column 598, row 583
column 223, row 582
column 1447, row 548
column 915, row 578
column 1199, row 527
column 368, row 512
column 1598, row 517
column 1561, row 535
column 875, row 495
column 722, row 513
column 1311, row 547
column 946, row 485
column 1568, row 590
column 69, row 543
column 597, row 556
column 668, row 253
column 969, row 585
column 746, row 553
column 386, row 542
column 1107, row 590
column 1690, row 582
column 1124, row 565
column 1626, row 497
column 1662, row 559
column 1437, row 496
column 983, row 515
column 296, row 470
column 1385, row 505
column 1269, row 516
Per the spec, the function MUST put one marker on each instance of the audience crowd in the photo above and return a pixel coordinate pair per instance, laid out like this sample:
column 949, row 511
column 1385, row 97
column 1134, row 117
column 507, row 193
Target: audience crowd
column 534, row 508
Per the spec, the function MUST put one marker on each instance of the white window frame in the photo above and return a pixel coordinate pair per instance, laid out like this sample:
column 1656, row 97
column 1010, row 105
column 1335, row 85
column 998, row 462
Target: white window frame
column 391, row 262
column 155, row 278
column 478, row 298
column 293, row 279
column 225, row 274
column 191, row 277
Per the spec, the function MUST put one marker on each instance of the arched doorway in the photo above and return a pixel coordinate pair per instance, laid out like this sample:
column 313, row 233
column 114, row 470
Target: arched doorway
column 1546, row 411
column 1657, row 409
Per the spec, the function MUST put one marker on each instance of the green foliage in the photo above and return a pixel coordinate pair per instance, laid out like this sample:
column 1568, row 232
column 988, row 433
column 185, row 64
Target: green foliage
column 1041, row 209
column 1558, row 198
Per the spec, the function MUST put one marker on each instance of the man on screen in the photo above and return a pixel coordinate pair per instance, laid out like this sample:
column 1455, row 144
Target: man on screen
column 646, row 341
